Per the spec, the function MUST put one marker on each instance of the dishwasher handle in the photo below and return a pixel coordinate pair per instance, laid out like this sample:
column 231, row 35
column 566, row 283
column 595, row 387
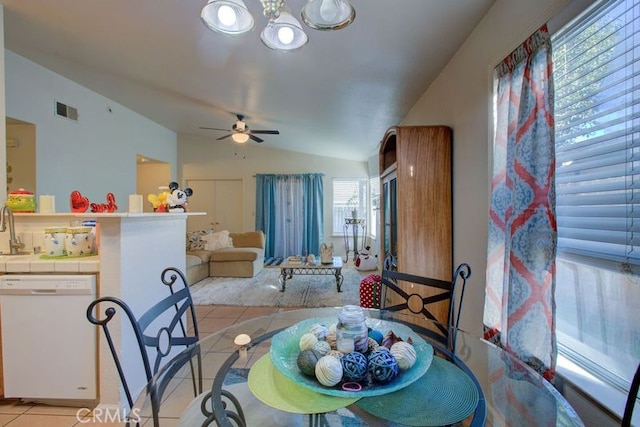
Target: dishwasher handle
column 43, row 291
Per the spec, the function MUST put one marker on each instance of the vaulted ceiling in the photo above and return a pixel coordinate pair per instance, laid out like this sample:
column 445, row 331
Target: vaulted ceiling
column 335, row 97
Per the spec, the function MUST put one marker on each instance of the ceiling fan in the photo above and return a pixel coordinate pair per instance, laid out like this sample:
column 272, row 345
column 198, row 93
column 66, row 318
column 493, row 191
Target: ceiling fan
column 241, row 133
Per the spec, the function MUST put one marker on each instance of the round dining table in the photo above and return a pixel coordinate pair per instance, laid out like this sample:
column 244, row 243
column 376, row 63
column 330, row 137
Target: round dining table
column 247, row 375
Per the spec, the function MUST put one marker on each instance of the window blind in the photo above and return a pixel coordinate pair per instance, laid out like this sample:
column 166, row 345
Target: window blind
column 597, row 131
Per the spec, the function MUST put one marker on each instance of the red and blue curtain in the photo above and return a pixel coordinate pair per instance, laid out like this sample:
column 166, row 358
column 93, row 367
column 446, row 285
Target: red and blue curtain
column 519, row 312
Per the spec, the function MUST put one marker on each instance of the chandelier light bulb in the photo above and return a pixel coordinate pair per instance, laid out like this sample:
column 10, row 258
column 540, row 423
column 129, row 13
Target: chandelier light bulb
column 328, row 15
column 329, row 10
column 285, row 35
column 227, row 15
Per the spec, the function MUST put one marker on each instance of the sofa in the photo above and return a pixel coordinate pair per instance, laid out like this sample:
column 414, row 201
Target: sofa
column 224, row 254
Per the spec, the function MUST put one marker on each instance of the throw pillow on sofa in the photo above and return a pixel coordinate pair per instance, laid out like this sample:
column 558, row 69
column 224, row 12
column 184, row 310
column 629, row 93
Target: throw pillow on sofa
column 218, row 240
column 195, row 241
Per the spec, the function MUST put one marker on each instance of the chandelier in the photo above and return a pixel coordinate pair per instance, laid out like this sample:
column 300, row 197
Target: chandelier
column 283, row 31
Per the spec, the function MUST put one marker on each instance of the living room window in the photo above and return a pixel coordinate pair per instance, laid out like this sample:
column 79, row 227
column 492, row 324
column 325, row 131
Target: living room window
column 349, row 199
column 374, row 206
column 597, row 130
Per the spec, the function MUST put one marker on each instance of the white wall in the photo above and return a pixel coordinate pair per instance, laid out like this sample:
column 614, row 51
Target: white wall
column 461, row 97
column 21, row 157
column 3, row 135
column 95, row 155
column 150, row 177
column 206, row 158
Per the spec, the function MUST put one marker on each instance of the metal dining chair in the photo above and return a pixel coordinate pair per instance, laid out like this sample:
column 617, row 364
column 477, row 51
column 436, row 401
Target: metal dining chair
column 631, row 399
column 162, row 327
column 443, row 336
column 416, row 304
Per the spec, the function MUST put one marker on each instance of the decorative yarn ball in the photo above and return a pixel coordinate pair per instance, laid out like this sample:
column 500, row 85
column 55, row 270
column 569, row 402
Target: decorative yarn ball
column 376, row 335
column 383, row 367
column 307, row 360
column 320, row 331
column 335, row 353
column 322, row 347
column 405, row 354
column 332, row 328
column 354, row 366
column 372, row 345
column 329, row 371
column 331, row 339
column 307, row 341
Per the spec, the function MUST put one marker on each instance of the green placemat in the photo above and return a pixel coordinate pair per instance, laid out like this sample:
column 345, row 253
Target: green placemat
column 444, row 395
column 274, row 389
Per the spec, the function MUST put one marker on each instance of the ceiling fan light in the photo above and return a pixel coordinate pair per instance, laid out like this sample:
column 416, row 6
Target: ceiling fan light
column 240, row 137
column 227, row 16
column 328, row 15
column 284, row 33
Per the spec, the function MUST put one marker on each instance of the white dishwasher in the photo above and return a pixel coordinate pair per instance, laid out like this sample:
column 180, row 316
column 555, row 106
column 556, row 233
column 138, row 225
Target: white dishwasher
column 48, row 345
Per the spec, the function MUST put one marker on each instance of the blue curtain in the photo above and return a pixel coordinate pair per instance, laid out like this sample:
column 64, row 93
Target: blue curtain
column 265, row 202
column 312, row 197
column 289, row 210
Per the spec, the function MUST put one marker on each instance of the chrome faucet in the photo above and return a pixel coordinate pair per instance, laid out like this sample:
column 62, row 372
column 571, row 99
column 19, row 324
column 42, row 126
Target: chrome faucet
column 14, row 242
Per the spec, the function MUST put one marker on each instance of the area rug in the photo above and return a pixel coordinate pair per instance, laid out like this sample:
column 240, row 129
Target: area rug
column 264, row 290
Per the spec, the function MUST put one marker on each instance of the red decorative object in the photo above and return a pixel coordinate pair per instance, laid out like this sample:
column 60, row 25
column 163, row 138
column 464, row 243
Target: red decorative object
column 110, row 206
column 370, row 291
column 79, row 203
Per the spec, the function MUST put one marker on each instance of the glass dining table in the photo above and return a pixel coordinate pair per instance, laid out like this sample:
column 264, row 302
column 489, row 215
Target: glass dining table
column 247, row 375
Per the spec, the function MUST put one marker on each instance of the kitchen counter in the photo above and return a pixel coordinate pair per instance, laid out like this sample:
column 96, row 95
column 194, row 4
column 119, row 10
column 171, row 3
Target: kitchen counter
column 133, row 250
column 33, row 263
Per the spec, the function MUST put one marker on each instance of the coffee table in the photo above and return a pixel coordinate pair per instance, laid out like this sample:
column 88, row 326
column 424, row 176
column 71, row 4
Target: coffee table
column 289, row 269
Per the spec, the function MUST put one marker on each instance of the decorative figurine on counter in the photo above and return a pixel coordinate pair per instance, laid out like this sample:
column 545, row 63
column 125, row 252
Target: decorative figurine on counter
column 177, row 199
column 21, row 200
column 79, row 203
column 110, row 206
column 158, row 201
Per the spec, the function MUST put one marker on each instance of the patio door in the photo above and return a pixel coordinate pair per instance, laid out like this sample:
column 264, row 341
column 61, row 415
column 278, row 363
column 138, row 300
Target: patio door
column 221, row 199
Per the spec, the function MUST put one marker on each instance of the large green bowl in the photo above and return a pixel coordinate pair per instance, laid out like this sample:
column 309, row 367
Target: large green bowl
column 285, row 349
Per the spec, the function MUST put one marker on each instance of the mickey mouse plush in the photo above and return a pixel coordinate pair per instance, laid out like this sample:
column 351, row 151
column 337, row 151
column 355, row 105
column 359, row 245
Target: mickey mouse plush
column 177, row 199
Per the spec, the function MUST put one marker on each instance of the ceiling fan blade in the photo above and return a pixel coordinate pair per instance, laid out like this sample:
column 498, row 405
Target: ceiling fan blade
column 226, row 130
column 255, row 138
column 270, row 132
column 223, row 137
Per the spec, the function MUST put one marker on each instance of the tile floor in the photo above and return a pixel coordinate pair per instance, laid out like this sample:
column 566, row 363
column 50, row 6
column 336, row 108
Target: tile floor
column 16, row 414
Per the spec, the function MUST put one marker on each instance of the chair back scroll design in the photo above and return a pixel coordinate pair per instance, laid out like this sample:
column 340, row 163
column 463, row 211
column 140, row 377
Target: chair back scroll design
column 390, row 262
column 154, row 343
column 631, row 399
column 420, row 305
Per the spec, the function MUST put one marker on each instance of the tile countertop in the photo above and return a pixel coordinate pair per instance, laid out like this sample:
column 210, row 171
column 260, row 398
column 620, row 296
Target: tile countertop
column 34, row 264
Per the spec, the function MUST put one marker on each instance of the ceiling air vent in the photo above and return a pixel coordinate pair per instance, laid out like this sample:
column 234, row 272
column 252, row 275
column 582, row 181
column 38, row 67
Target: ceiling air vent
column 66, row 111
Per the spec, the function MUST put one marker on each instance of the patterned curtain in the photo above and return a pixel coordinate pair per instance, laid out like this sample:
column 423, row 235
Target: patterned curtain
column 289, row 209
column 519, row 312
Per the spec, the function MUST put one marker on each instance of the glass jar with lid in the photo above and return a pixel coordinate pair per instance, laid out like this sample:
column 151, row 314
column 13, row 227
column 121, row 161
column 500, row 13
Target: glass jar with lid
column 351, row 330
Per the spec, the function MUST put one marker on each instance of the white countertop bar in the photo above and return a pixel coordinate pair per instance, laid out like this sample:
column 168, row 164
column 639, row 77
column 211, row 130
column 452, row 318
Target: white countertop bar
column 34, row 264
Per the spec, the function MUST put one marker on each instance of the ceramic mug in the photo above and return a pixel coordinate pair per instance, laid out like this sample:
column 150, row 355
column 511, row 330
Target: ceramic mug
column 79, row 241
column 54, row 241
